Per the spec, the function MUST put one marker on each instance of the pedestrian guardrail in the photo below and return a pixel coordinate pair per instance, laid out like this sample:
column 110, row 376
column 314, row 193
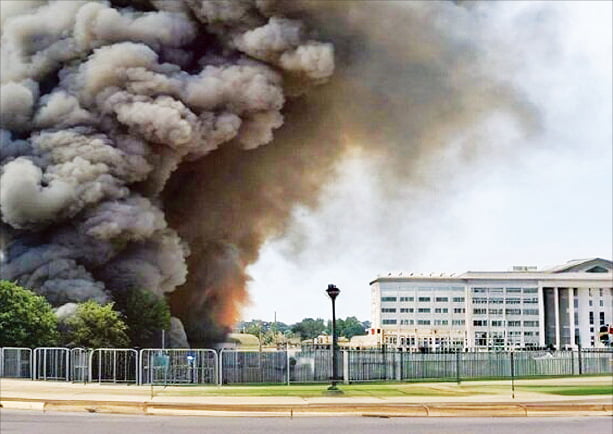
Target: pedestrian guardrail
column 178, row 366
column 208, row 366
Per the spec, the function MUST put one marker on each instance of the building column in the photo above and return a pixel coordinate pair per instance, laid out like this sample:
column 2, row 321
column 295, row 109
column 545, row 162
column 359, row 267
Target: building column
column 556, row 301
column 541, row 304
column 571, row 314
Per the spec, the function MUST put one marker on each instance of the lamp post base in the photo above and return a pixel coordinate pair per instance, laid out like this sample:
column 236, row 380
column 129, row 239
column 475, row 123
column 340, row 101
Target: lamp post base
column 333, row 391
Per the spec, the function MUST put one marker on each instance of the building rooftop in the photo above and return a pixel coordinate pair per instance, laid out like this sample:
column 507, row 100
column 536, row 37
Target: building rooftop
column 596, row 269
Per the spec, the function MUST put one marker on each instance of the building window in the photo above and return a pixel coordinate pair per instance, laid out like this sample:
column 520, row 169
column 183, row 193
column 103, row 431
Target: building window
column 423, row 322
column 406, row 310
column 497, row 323
column 441, row 310
column 480, row 311
column 600, row 291
column 407, row 299
column 480, row 322
column 479, row 290
column 601, row 318
column 388, row 310
column 531, row 323
column 383, row 299
column 424, row 299
column 457, row 322
column 601, row 303
column 496, row 301
column 459, row 310
column 530, row 290
column 514, row 323
column 513, row 300
column 592, row 318
column 406, row 322
column 513, row 311
column 440, row 322
column 513, row 290
column 423, row 310
column 495, row 311
column 531, row 300
column 479, row 300
column 389, row 321
column 531, row 311
column 458, row 299
column 442, row 299
column 591, row 303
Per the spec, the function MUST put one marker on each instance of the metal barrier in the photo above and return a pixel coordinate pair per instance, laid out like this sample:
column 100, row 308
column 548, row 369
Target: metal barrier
column 238, row 366
column 312, row 366
column 596, row 362
column 16, row 362
column 51, row 363
column 369, row 365
column 178, row 366
column 79, row 364
column 113, row 365
column 205, row 366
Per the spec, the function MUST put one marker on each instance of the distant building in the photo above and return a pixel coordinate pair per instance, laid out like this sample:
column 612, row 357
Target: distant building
column 562, row 307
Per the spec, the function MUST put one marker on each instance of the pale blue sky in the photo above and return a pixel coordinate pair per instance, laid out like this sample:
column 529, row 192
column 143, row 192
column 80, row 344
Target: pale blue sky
column 541, row 203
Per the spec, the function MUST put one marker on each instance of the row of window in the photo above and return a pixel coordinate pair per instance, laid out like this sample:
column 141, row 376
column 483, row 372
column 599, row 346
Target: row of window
column 476, row 323
column 483, row 311
column 422, row 310
column 511, row 300
column 501, row 290
column 424, row 299
column 501, row 323
column 458, row 322
column 476, row 311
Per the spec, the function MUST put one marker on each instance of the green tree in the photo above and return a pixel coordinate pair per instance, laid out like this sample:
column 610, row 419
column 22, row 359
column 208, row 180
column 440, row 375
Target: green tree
column 145, row 314
column 353, row 327
column 95, row 326
column 309, row 328
column 348, row 327
column 26, row 319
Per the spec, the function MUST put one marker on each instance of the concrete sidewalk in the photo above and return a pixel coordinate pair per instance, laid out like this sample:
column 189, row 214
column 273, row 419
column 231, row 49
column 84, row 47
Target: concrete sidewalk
column 103, row 398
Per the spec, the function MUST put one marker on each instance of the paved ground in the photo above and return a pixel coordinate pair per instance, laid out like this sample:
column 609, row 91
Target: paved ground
column 27, row 422
column 97, row 398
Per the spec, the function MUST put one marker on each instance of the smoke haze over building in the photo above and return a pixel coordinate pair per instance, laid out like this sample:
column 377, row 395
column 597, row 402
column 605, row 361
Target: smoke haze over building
column 157, row 145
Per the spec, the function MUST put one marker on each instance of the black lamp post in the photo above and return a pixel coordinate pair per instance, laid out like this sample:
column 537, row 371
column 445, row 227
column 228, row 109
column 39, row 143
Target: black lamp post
column 333, row 292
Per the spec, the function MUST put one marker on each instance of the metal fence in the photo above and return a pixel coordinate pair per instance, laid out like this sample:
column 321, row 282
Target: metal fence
column 253, row 366
column 16, row 362
column 178, row 366
column 206, row 366
column 79, row 364
column 51, row 363
column 113, row 365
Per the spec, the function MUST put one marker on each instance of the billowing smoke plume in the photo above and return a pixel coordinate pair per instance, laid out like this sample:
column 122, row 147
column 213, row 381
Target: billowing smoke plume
column 132, row 132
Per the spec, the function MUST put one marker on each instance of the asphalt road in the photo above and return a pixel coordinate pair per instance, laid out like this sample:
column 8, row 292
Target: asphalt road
column 26, row 422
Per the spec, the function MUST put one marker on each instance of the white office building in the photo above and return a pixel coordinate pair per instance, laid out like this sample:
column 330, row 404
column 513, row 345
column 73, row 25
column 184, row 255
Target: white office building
column 561, row 307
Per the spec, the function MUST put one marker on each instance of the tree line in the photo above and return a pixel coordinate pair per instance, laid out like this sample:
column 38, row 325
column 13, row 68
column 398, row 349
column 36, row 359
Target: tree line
column 135, row 319
column 308, row 328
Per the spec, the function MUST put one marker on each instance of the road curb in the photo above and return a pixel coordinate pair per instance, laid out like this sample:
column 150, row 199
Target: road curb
column 307, row 409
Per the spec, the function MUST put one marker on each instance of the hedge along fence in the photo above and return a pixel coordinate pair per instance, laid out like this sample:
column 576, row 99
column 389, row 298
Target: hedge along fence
column 208, row 366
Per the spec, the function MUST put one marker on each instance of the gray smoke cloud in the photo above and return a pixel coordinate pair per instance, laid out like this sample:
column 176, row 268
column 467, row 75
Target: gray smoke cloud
column 133, row 132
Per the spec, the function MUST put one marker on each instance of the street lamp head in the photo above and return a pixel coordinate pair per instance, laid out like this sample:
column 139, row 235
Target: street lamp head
column 333, row 291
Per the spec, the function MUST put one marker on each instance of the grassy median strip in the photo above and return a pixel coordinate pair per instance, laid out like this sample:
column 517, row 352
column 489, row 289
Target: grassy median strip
column 305, row 391
column 570, row 390
column 562, row 386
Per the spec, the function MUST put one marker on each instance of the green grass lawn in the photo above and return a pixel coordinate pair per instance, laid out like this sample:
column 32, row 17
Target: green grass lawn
column 571, row 390
column 375, row 390
column 558, row 386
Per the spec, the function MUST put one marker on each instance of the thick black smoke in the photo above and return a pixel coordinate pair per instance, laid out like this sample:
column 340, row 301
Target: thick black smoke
column 132, row 132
